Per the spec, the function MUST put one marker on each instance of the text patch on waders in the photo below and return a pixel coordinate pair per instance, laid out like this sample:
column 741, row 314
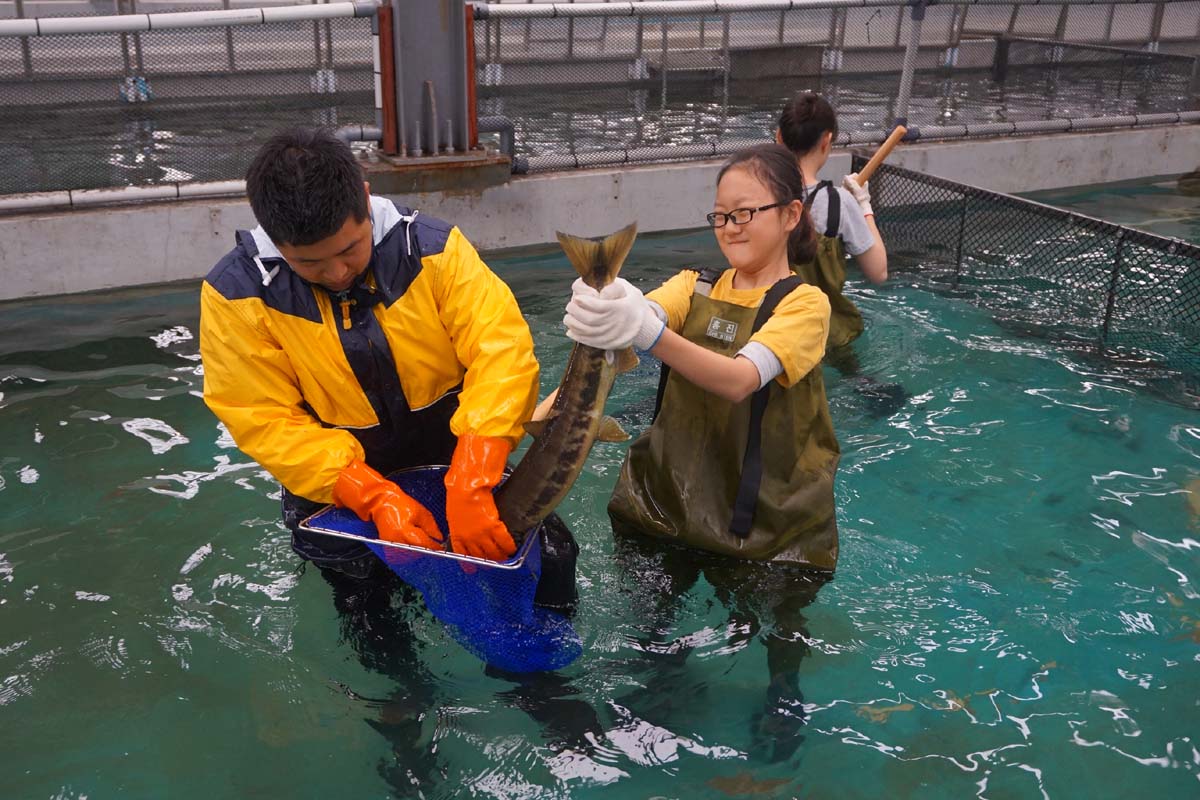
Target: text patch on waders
column 827, row 271
column 752, row 479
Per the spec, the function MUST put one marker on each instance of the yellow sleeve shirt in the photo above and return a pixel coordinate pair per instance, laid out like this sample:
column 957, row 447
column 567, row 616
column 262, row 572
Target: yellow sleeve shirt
column 277, row 376
column 795, row 333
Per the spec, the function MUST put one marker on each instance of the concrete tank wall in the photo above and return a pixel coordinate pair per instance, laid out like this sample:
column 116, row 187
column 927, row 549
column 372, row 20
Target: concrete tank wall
column 86, row 250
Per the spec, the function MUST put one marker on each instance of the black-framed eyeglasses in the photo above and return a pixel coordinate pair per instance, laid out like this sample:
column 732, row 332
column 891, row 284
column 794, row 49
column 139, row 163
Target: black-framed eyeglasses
column 739, row 216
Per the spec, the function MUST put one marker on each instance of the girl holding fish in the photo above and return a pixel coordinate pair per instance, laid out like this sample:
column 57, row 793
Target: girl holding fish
column 739, row 463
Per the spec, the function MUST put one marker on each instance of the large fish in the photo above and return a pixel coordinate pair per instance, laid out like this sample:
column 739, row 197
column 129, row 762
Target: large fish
column 576, row 419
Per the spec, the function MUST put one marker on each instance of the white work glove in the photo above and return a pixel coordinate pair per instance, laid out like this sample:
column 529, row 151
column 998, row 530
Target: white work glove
column 861, row 194
column 611, row 319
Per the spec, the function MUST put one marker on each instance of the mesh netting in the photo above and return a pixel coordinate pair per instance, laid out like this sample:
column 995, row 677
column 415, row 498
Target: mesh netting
column 487, row 607
column 96, row 110
column 1129, row 295
column 574, row 85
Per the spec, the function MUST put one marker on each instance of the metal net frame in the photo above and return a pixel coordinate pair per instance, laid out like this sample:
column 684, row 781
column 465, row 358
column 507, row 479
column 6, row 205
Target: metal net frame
column 1127, row 295
column 578, row 83
column 87, row 111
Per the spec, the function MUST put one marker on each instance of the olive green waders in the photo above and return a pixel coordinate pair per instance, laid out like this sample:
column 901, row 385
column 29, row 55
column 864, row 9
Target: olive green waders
column 683, row 478
column 827, row 271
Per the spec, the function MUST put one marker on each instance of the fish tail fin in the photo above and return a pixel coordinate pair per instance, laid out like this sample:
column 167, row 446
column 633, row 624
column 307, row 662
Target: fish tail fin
column 598, row 263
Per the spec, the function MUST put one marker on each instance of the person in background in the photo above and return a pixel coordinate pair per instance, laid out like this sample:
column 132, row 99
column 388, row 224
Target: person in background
column 843, row 217
column 741, row 457
column 845, row 223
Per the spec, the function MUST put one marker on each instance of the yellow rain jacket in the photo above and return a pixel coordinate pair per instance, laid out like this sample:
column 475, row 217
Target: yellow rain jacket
column 427, row 346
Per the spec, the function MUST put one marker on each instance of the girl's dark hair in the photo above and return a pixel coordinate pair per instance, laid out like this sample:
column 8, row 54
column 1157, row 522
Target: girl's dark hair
column 804, row 119
column 776, row 167
column 303, row 185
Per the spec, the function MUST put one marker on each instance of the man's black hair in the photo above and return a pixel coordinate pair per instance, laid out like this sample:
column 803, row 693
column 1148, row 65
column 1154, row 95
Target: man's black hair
column 303, row 185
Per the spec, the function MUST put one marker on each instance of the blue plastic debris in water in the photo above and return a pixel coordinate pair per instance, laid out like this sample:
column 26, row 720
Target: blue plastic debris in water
column 487, row 606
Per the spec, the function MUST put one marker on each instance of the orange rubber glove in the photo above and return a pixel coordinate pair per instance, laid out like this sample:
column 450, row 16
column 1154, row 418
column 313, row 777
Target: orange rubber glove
column 475, row 526
column 398, row 517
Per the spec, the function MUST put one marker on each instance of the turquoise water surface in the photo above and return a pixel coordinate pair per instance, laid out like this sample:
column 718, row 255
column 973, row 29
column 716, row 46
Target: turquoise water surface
column 1015, row 612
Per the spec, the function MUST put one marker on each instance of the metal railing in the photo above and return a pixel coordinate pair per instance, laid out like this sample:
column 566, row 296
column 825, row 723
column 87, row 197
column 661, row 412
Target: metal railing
column 597, row 82
column 149, row 101
column 162, row 98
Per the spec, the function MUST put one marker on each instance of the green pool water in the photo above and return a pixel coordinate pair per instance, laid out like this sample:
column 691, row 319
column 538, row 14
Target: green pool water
column 1155, row 204
column 1015, row 612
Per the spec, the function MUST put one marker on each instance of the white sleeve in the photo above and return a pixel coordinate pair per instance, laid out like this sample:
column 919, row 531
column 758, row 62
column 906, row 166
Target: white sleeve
column 768, row 364
column 853, row 226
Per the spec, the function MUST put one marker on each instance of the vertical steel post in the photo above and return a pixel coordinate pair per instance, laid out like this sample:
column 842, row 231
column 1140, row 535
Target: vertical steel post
column 385, row 81
column 1160, row 10
column 328, row 43
column 1118, row 257
column 472, row 107
column 229, row 59
column 725, row 76
column 1000, row 58
column 430, row 58
column 910, row 61
column 26, row 53
column 571, row 35
column 962, row 231
column 316, row 29
column 662, row 105
column 528, row 30
column 137, row 44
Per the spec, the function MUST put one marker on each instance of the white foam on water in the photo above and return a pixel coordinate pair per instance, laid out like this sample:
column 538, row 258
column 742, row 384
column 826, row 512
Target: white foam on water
column 145, row 428
column 202, row 552
column 172, row 336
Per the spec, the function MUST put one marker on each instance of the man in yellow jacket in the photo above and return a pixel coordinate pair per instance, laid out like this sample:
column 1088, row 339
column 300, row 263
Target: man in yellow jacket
column 345, row 338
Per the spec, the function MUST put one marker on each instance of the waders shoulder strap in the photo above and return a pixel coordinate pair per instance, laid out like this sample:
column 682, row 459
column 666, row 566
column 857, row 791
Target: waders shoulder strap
column 747, row 496
column 704, row 283
column 833, row 214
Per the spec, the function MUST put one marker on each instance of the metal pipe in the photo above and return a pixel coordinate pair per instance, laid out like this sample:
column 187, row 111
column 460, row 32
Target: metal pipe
column 130, row 23
column 910, row 62
column 656, row 8
column 507, row 130
column 358, row 133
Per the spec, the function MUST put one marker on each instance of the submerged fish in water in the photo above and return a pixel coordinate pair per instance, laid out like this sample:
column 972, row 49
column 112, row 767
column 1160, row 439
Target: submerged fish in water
column 1189, row 184
column 564, row 438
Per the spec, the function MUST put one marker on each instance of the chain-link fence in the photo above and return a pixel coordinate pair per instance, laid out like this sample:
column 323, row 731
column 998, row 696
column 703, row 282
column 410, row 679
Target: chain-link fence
column 1131, row 295
column 579, row 82
column 113, row 109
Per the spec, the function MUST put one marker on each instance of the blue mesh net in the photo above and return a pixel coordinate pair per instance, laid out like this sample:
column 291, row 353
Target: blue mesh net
column 487, row 607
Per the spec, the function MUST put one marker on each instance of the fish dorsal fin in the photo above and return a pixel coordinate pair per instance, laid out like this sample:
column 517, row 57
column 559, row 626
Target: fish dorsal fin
column 611, row 431
column 535, row 426
column 598, row 263
column 626, row 360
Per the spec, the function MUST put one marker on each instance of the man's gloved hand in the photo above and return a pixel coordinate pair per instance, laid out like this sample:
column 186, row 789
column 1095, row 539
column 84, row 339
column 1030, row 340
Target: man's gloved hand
column 398, row 517
column 475, row 526
column 612, row 319
column 862, row 194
